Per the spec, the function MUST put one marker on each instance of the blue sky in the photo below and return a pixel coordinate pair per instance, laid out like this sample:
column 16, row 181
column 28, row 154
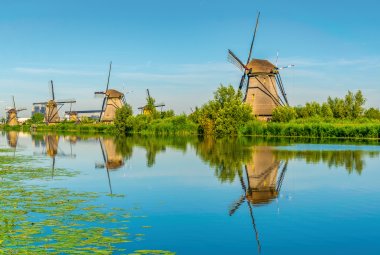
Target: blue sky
column 178, row 49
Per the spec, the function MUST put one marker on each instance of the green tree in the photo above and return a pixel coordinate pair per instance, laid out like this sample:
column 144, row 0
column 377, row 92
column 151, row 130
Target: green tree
column 326, row 111
column 372, row 113
column 358, row 106
column 124, row 119
column 284, row 114
column 37, row 118
column 225, row 114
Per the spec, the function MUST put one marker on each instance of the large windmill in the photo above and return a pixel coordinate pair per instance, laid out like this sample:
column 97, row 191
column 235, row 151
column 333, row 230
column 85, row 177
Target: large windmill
column 147, row 109
column 112, row 101
column 12, row 113
column 53, row 106
column 263, row 183
column 260, row 83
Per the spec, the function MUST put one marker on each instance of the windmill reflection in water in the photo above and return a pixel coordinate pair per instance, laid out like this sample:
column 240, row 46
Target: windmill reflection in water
column 12, row 139
column 112, row 160
column 52, row 149
column 264, row 182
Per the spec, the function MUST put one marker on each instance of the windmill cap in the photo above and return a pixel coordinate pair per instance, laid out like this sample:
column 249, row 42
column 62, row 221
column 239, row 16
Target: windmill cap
column 261, row 66
column 114, row 93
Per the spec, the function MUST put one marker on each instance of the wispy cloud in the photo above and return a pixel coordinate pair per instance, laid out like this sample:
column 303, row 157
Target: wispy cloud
column 45, row 71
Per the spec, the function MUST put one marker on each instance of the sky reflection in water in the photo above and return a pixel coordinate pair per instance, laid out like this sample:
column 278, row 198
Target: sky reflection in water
column 244, row 196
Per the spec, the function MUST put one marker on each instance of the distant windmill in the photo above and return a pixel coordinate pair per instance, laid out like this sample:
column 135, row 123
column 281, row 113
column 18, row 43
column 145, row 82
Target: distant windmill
column 146, row 110
column 53, row 106
column 260, row 82
column 112, row 101
column 12, row 113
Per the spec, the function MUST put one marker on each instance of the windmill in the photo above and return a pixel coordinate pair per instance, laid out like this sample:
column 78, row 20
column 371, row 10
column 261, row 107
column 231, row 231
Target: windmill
column 53, row 106
column 263, row 183
column 12, row 113
column 260, row 82
column 112, row 101
column 112, row 160
column 148, row 108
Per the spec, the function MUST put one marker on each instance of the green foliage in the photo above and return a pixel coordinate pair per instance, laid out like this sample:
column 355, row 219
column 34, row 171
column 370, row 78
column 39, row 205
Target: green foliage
column 167, row 114
column 313, row 129
column 284, row 114
column 224, row 115
column 350, row 107
column 37, row 118
column 123, row 119
column 372, row 113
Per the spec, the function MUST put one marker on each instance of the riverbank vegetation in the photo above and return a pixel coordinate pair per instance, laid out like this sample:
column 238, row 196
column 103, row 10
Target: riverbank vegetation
column 227, row 115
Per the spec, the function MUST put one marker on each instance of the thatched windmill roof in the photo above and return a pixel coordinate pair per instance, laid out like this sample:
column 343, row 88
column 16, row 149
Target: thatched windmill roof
column 261, row 66
column 112, row 93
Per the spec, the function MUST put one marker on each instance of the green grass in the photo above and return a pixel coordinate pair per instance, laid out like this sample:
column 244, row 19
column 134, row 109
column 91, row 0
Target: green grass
column 313, row 129
column 182, row 125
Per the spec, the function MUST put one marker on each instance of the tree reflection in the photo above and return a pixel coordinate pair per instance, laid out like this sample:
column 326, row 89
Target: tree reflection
column 351, row 160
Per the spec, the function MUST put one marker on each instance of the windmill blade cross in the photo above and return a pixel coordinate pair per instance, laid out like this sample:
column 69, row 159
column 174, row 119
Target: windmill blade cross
column 14, row 103
column 253, row 39
column 147, row 92
column 66, row 101
column 284, row 67
column 232, row 58
column 21, row 109
column 243, row 81
column 109, row 75
column 102, row 110
column 236, row 205
column 52, row 90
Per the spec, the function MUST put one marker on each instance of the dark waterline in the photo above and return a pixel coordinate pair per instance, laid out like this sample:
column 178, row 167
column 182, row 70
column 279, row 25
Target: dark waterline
column 204, row 196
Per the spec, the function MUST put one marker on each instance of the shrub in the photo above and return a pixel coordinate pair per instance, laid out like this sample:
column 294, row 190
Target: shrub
column 284, row 114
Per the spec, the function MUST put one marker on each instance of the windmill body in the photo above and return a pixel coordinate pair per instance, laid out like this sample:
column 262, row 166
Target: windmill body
column 51, row 114
column 261, row 92
column 12, row 117
column 12, row 113
column 114, row 101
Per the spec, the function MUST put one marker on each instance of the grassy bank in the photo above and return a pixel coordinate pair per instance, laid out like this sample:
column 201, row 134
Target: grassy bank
column 312, row 129
column 183, row 126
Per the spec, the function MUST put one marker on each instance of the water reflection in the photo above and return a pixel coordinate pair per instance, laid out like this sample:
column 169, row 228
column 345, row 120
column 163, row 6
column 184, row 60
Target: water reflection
column 252, row 172
column 50, row 145
column 12, row 138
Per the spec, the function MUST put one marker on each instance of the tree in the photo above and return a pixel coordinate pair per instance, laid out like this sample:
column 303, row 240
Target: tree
column 372, row 113
column 326, row 111
column 358, row 106
column 37, row 118
column 225, row 114
column 124, row 119
column 284, row 114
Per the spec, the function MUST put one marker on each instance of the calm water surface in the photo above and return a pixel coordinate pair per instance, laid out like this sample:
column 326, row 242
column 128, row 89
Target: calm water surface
column 201, row 196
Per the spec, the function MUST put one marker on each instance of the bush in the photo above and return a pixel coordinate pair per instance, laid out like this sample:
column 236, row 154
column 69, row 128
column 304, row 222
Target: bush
column 123, row 119
column 224, row 115
column 284, row 114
